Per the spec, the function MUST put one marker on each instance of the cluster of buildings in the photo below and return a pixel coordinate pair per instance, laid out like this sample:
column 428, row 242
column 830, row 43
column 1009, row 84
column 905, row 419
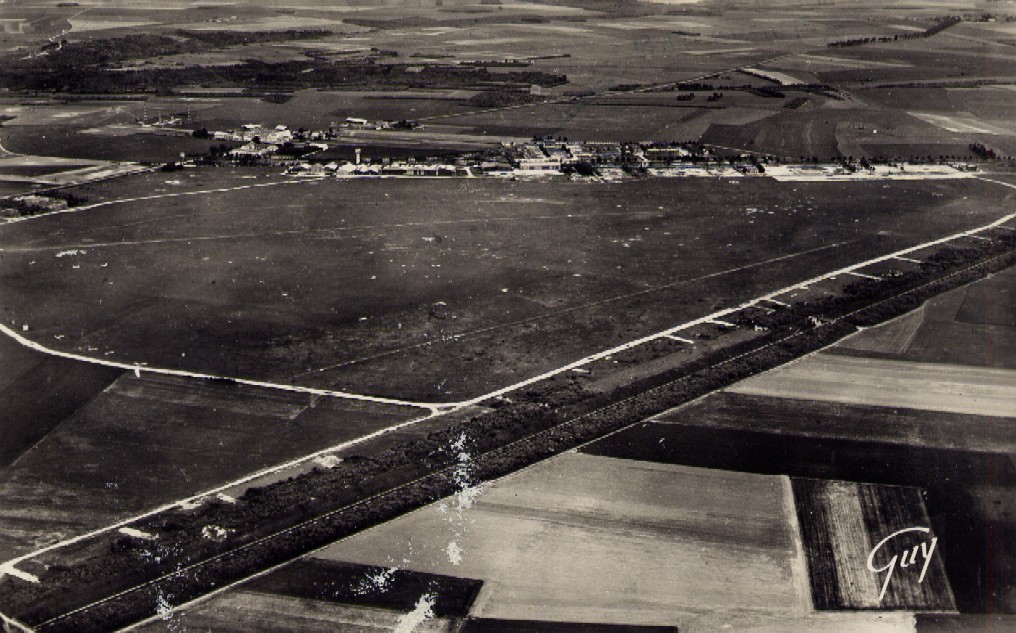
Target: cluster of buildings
column 282, row 134
column 253, row 132
column 607, row 161
column 298, row 153
column 262, row 142
column 383, row 168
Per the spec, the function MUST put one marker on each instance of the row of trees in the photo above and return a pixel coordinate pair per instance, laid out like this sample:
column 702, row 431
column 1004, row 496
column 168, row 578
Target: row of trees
column 939, row 26
column 259, row 75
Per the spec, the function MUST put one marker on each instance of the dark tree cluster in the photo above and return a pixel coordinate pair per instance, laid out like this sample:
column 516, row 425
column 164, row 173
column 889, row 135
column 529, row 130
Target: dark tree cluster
column 939, row 26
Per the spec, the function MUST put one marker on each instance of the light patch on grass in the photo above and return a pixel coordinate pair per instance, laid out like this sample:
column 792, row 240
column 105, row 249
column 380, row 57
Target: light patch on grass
column 414, row 619
column 70, row 253
column 126, row 531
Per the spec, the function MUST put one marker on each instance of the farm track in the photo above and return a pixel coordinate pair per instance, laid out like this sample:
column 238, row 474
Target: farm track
column 197, row 579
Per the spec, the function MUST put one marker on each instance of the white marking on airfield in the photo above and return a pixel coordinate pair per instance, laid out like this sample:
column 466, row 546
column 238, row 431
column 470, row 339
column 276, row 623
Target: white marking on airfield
column 8, row 569
column 857, row 274
column 138, row 370
column 721, row 323
column 681, row 339
column 442, row 409
column 908, row 259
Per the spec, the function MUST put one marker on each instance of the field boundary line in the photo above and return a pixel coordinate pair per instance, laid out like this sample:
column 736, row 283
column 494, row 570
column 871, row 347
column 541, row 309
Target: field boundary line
column 447, row 408
column 200, row 497
column 451, row 468
column 138, row 369
column 10, row 625
column 178, row 194
column 799, row 566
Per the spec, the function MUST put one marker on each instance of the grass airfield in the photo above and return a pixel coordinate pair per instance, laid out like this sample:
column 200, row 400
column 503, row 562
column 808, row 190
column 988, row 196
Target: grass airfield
column 442, row 291
column 338, row 285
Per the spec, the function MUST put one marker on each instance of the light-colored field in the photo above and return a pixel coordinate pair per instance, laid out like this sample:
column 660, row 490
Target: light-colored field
column 76, row 176
column 847, row 622
column 850, row 545
column 54, row 115
column 890, row 383
column 965, row 123
column 20, row 160
column 773, row 75
column 81, row 25
column 825, row 62
column 594, row 539
column 275, row 23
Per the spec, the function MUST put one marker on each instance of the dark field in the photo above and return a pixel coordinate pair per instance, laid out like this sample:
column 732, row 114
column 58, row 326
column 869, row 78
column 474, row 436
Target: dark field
column 827, row 134
column 349, row 583
column 71, row 142
column 148, row 441
column 963, row 623
column 974, row 325
column 34, row 170
column 361, row 285
column 840, row 524
column 15, row 188
column 38, row 392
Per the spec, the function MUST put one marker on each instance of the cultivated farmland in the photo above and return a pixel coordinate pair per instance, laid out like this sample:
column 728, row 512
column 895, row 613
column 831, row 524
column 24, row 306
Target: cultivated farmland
column 543, row 541
column 841, row 523
column 852, row 380
column 889, row 432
